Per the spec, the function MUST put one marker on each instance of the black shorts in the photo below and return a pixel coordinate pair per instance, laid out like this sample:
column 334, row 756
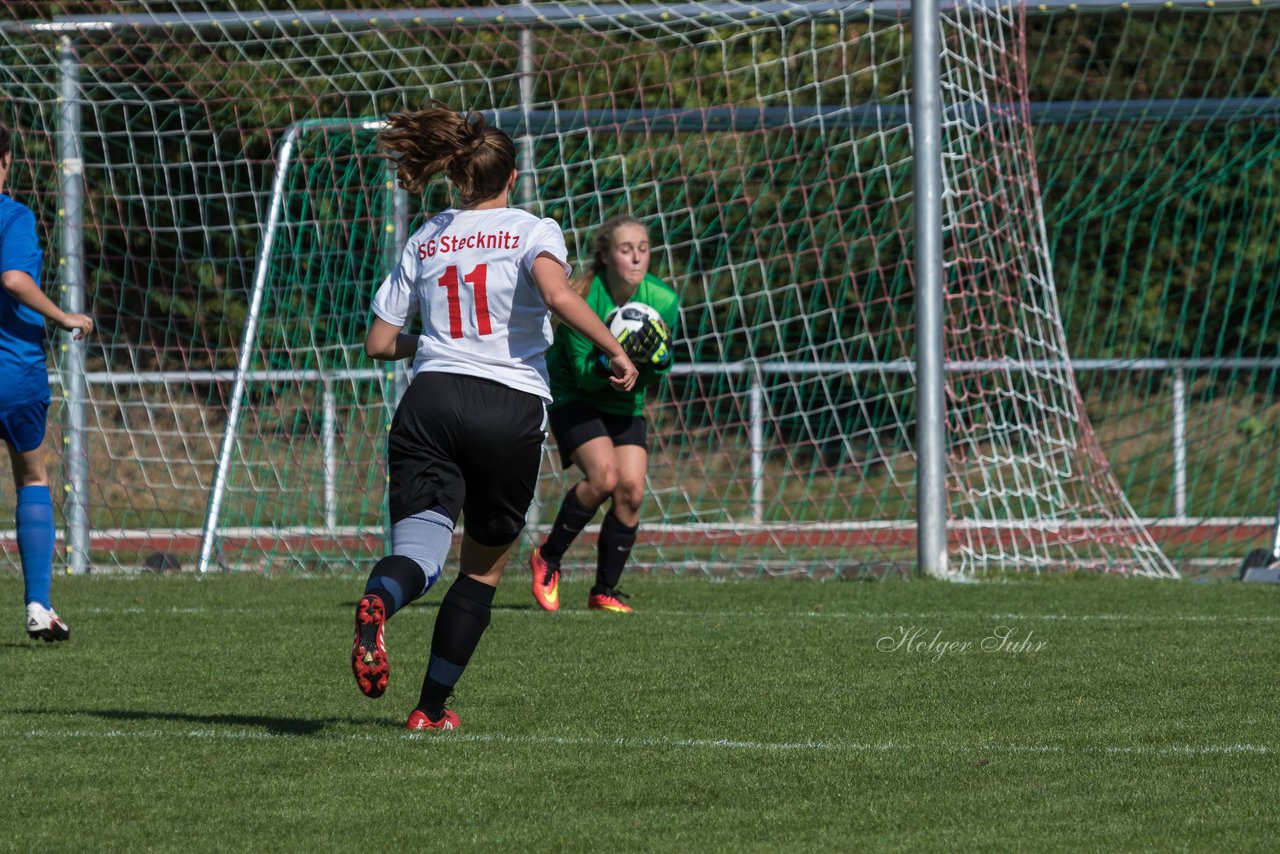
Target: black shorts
column 575, row 423
column 470, row 446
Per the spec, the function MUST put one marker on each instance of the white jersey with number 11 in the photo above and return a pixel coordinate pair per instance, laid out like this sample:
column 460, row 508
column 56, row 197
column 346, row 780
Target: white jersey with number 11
column 468, row 274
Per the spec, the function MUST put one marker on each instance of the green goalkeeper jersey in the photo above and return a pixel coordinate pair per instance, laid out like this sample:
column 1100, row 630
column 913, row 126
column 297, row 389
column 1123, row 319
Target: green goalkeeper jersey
column 570, row 361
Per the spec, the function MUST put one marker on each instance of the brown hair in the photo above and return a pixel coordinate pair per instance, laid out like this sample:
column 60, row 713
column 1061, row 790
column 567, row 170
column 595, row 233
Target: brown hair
column 478, row 159
column 6, row 140
column 599, row 245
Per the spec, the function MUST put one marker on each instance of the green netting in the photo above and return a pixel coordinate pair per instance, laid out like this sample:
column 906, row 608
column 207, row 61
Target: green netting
column 1109, row 196
column 1161, row 209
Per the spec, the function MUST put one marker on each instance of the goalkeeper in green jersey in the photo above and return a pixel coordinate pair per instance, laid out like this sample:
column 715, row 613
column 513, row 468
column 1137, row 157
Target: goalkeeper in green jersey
column 598, row 429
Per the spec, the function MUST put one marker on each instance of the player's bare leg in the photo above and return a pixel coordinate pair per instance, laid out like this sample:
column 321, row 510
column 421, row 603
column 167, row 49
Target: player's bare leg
column 595, row 458
column 618, row 531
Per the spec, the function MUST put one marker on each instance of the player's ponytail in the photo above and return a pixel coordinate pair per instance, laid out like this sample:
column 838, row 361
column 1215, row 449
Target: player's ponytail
column 476, row 158
column 599, row 246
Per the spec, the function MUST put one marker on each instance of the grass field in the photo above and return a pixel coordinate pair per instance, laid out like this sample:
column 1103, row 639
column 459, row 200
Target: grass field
column 219, row 713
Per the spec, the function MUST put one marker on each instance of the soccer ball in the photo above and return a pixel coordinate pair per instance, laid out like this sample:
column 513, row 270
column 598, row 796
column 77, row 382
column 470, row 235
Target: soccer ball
column 631, row 317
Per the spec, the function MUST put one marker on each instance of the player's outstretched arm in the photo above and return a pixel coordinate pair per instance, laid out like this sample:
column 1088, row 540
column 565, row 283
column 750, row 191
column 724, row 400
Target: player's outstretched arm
column 24, row 289
column 386, row 343
column 564, row 303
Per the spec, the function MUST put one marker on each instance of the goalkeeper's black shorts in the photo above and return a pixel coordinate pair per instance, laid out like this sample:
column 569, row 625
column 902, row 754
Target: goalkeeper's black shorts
column 575, row 423
column 470, row 447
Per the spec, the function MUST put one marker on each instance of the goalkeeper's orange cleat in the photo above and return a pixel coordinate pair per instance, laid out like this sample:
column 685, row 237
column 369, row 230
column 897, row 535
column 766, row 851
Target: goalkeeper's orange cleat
column 369, row 652
column 546, row 582
column 608, row 601
column 418, row 720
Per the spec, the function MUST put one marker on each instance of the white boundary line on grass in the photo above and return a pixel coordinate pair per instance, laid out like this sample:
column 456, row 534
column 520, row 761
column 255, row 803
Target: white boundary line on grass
column 663, row 743
column 703, row 615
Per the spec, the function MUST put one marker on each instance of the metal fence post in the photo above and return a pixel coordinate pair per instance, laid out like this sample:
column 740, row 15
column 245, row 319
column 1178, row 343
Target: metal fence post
column 755, row 413
column 329, row 442
column 1179, row 443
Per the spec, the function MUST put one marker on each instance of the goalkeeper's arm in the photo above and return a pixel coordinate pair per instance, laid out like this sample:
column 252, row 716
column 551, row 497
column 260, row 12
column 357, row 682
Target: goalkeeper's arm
column 649, row 347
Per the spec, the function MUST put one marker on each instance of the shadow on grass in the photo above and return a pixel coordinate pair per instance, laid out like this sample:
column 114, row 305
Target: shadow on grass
column 273, row 725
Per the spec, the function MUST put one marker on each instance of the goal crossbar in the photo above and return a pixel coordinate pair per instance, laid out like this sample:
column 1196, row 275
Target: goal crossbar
column 572, row 14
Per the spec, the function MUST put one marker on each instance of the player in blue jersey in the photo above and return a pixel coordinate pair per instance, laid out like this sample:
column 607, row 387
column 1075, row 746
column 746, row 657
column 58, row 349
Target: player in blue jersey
column 24, row 396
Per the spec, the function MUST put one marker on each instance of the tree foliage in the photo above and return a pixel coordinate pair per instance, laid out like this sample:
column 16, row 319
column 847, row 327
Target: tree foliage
column 1162, row 228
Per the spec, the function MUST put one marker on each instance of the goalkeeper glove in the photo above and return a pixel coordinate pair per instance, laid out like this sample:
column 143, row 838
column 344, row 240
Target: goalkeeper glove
column 636, row 344
column 663, row 358
column 658, row 335
column 646, row 345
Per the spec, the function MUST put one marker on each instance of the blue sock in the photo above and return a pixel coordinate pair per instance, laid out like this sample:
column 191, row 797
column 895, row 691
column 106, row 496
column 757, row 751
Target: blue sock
column 35, row 541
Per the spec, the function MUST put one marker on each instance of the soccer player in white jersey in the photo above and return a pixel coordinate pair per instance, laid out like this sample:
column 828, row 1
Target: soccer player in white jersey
column 466, row 440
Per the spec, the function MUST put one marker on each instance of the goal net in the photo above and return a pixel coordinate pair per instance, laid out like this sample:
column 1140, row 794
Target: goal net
column 234, row 199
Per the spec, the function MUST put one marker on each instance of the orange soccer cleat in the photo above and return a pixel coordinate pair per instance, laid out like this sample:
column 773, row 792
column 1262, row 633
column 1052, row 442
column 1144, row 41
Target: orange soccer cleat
column 369, row 652
column 418, row 720
column 609, row 600
column 546, row 582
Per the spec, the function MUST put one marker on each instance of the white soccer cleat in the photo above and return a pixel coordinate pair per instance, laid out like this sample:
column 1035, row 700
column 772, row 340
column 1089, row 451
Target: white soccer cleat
column 44, row 623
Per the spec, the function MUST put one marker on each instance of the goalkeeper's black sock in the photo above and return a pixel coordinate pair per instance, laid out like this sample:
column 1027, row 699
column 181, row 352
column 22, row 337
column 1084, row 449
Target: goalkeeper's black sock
column 396, row 580
column 463, row 617
column 570, row 521
column 616, row 540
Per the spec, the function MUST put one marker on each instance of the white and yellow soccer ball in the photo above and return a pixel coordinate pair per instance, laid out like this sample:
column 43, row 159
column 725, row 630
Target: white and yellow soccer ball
column 630, row 318
column 642, row 333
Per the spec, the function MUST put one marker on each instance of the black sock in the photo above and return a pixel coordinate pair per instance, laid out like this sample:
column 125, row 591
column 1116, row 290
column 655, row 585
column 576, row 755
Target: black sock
column 396, row 580
column 616, row 540
column 570, row 521
column 464, row 614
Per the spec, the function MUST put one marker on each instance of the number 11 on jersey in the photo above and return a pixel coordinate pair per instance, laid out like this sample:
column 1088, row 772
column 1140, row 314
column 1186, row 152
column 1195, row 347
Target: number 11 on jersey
column 476, row 279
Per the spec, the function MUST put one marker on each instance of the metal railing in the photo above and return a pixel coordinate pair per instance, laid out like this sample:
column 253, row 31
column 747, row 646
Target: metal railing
column 755, row 374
